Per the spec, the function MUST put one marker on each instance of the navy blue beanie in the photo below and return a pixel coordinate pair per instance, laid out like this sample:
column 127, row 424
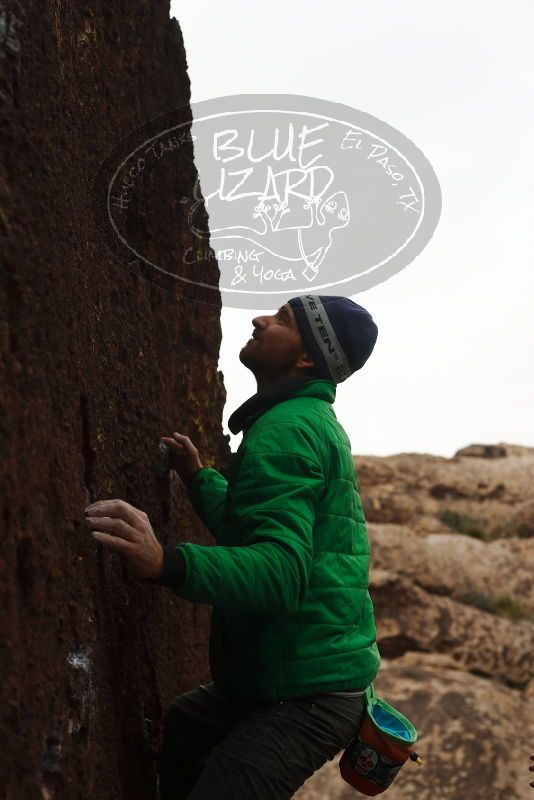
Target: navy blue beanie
column 338, row 334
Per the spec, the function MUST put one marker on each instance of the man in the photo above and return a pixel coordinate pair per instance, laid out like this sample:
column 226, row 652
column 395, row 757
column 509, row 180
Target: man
column 293, row 637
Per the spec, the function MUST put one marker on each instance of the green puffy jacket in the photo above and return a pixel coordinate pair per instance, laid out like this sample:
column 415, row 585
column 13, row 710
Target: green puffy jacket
column 288, row 577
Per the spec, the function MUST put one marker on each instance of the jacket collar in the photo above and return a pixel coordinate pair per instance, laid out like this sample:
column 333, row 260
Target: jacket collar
column 282, row 389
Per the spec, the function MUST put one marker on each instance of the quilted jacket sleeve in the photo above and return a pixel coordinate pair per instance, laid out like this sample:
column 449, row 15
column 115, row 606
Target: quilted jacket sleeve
column 207, row 493
column 276, row 493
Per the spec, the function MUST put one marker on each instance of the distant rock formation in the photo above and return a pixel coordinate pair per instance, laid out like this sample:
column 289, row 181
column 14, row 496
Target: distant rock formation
column 452, row 582
column 488, row 497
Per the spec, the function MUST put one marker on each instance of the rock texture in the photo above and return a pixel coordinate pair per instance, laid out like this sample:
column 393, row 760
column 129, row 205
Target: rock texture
column 485, row 644
column 485, row 490
column 97, row 363
column 457, row 565
column 452, row 567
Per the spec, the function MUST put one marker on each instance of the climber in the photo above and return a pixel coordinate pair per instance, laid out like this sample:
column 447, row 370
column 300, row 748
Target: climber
column 293, row 636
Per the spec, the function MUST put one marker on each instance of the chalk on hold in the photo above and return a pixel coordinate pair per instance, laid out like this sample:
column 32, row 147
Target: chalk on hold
column 163, row 460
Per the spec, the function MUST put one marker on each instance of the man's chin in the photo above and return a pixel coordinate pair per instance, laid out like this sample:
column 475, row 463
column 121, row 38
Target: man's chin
column 244, row 356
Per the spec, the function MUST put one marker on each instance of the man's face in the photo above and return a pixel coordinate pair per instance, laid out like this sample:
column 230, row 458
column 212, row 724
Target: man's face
column 276, row 348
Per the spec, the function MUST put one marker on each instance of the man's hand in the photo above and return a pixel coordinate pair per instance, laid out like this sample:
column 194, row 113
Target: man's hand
column 184, row 457
column 131, row 535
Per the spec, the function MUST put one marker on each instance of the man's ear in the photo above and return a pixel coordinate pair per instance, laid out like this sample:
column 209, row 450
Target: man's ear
column 305, row 362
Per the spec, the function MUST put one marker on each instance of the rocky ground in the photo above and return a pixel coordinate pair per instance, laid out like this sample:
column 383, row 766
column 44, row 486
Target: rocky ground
column 452, row 567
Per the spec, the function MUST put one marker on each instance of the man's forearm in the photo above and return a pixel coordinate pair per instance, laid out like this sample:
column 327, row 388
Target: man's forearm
column 173, row 572
column 207, row 493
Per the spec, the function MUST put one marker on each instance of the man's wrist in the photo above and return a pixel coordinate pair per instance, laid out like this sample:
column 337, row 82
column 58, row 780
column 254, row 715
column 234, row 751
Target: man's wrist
column 173, row 570
column 189, row 480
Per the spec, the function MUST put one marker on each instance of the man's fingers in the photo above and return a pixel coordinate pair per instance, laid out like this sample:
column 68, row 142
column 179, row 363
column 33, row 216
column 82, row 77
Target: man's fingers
column 114, row 508
column 112, row 542
column 179, row 441
column 173, row 443
column 118, row 527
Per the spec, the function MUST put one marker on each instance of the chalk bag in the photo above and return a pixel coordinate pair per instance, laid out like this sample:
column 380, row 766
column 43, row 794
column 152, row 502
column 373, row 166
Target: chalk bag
column 384, row 742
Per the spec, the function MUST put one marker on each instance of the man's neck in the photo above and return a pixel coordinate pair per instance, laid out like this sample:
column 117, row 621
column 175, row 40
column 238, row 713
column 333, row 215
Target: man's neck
column 272, row 393
column 262, row 382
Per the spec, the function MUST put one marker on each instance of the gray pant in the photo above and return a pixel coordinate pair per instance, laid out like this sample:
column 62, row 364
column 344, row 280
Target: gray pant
column 221, row 748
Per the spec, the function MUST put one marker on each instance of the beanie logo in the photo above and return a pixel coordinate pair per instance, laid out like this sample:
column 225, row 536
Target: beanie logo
column 326, row 338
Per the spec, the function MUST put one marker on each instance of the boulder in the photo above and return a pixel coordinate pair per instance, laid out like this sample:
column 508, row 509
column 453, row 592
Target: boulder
column 483, row 451
column 99, row 360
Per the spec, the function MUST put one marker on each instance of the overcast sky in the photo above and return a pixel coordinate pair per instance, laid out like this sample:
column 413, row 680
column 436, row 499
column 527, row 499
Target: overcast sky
column 453, row 362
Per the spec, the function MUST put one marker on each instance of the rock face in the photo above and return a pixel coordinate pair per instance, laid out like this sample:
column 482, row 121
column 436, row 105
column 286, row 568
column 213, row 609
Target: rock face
column 452, row 560
column 97, row 362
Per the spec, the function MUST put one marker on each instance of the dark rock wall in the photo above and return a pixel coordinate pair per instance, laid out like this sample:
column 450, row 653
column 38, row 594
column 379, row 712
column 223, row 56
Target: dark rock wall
column 97, row 363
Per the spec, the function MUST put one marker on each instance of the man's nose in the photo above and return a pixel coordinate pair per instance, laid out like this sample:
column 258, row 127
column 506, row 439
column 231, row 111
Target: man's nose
column 262, row 319
column 258, row 322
